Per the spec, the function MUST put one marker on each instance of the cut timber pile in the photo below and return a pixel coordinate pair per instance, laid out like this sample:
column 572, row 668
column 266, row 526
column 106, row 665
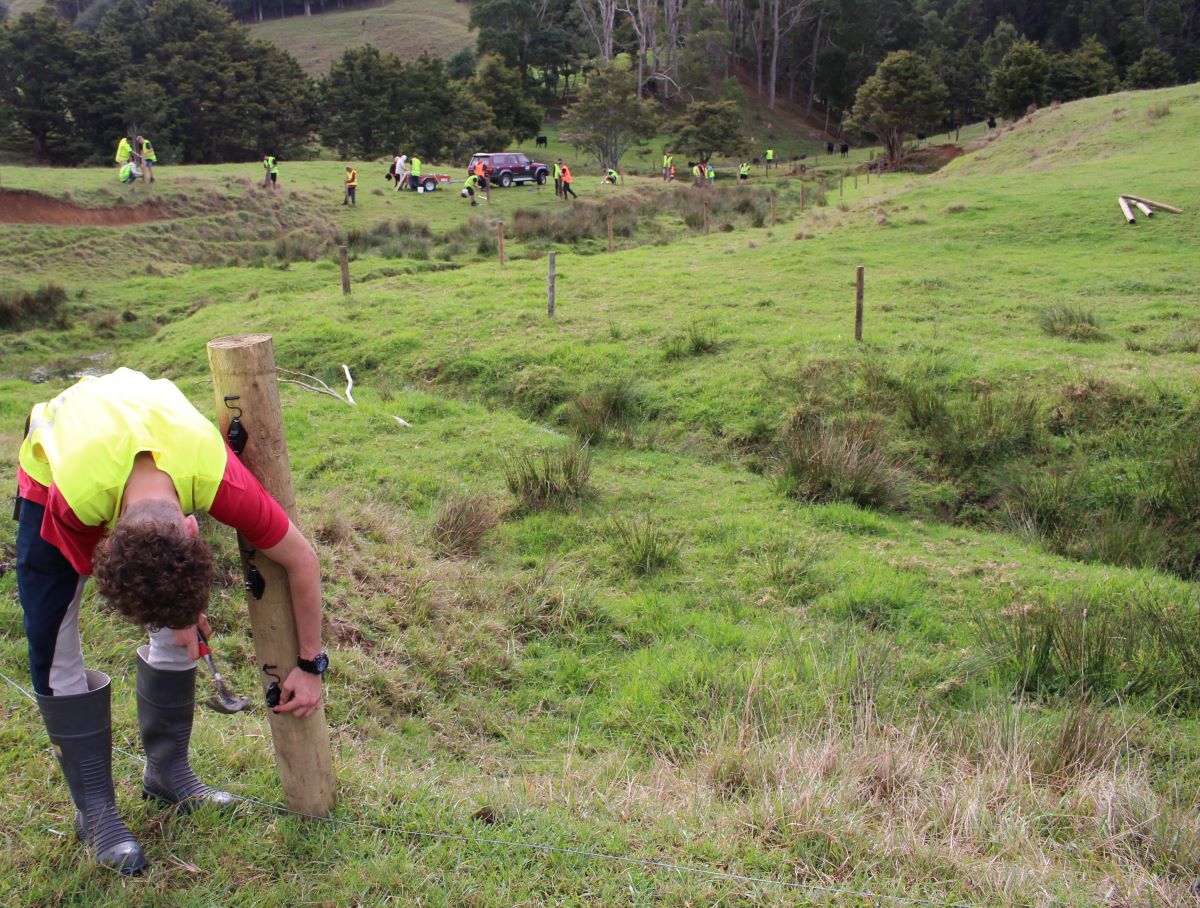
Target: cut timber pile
column 1146, row 206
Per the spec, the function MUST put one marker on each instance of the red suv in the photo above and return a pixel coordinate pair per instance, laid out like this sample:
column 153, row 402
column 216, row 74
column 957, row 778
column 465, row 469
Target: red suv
column 506, row 168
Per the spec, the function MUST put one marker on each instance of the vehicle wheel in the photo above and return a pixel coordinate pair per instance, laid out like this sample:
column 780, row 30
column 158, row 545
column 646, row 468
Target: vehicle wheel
column 506, row 180
column 430, row 185
column 541, row 178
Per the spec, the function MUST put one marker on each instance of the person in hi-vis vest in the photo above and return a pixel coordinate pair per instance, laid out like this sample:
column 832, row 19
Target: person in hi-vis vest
column 111, row 473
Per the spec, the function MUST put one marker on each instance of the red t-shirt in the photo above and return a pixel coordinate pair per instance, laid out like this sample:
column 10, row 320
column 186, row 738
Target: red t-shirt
column 241, row 503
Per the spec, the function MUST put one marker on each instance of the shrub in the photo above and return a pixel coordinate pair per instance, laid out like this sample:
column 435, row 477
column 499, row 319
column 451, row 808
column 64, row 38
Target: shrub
column 1070, row 322
column 645, row 548
column 550, row 477
column 823, row 460
column 460, row 525
column 24, row 308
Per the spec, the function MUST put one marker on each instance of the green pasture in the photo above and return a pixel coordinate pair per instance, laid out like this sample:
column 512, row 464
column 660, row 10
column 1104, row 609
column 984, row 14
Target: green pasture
column 407, row 28
column 694, row 660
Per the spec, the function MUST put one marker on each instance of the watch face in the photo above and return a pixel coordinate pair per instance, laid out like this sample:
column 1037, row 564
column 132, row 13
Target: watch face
column 322, row 662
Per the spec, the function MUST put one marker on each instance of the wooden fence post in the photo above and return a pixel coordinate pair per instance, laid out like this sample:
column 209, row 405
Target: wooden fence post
column 500, row 240
column 345, row 270
column 550, row 288
column 842, row 184
column 858, row 305
column 610, row 232
column 706, row 216
column 243, row 367
column 772, row 207
column 856, row 179
column 802, row 198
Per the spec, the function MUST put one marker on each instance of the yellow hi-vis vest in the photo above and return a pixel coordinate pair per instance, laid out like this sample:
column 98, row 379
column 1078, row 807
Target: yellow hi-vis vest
column 84, row 442
column 415, row 166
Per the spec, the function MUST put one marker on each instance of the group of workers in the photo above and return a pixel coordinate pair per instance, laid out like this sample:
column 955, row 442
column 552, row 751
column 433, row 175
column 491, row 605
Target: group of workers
column 136, row 160
column 703, row 172
column 563, row 180
column 404, row 172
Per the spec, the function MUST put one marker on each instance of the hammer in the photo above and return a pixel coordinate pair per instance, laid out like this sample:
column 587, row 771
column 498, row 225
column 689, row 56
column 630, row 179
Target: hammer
column 223, row 701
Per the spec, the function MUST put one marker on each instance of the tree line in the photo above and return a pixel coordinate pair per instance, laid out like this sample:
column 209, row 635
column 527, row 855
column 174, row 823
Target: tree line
column 187, row 74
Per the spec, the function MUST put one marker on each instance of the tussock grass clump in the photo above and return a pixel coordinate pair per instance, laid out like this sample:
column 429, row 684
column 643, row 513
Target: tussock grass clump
column 461, row 524
column 645, row 547
column 25, row 308
column 980, row 430
column 824, row 460
column 696, row 340
column 790, row 566
column 1086, row 644
column 538, row 389
column 1070, row 322
column 550, row 478
column 1158, row 111
column 603, row 408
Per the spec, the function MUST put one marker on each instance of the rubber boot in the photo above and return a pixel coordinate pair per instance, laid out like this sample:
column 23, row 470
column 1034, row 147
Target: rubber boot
column 80, row 727
column 166, row 706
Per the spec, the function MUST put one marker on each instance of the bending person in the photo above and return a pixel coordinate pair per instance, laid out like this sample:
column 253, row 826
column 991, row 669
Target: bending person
column 111, row 473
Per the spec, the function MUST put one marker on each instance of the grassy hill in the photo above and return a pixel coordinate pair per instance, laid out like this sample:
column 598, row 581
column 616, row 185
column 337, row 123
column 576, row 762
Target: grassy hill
column 710, row 655
column 407, row 28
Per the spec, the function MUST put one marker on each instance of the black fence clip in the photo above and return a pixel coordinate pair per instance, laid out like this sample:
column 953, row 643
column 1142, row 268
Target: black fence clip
column 274, row 691
column 236, row 434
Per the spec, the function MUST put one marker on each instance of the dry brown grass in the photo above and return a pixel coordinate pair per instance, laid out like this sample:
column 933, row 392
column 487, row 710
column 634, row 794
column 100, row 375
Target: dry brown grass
column 460, row 525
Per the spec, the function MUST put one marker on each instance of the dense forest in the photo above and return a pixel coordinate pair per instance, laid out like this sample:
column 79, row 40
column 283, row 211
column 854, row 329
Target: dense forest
column 75, row 75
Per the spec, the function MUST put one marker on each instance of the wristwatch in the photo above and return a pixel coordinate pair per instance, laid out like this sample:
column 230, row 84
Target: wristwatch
column 318, row 665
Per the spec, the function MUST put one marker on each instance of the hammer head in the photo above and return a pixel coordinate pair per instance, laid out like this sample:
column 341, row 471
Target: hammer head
column 225, row 702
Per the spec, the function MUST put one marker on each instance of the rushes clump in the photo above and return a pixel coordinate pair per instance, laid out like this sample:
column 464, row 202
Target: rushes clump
column 644, row 546
column 981, row 430
column 604, row 407
column 23, row 308
column 1070, row 322
column 550, row 478
column 696, row 340
column 461, row 524
column 824, row 460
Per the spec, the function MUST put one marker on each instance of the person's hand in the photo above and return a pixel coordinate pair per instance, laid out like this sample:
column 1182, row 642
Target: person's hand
column 300, row 694
column 186, row 636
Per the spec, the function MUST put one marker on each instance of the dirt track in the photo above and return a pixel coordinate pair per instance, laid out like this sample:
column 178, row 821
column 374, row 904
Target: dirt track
column 22, row 206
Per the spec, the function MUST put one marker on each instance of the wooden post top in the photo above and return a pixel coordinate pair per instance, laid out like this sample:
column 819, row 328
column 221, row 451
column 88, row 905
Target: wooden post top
column 234, row 341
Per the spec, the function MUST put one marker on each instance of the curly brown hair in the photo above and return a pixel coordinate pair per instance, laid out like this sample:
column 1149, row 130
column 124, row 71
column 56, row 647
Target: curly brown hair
column 151, row 571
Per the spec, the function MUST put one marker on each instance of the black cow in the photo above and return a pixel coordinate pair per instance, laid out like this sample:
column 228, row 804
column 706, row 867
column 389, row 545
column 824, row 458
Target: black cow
column 991, row 122
column 828, row 148
column 540, row 142
column 845, row 149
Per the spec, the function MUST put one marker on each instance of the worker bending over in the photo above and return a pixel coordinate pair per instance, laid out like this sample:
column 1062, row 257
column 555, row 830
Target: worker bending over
column 111, row 473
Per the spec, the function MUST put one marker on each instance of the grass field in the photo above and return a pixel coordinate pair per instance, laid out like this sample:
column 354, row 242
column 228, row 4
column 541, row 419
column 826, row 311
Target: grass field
column 811, row 616
column 406, row 28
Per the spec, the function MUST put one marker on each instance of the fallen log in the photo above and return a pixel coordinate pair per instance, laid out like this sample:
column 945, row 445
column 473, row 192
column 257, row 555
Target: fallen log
column 1145, row 209
column 1125, row 208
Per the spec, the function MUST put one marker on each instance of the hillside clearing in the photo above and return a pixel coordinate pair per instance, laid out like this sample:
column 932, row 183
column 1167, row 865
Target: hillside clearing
column 407, row 28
